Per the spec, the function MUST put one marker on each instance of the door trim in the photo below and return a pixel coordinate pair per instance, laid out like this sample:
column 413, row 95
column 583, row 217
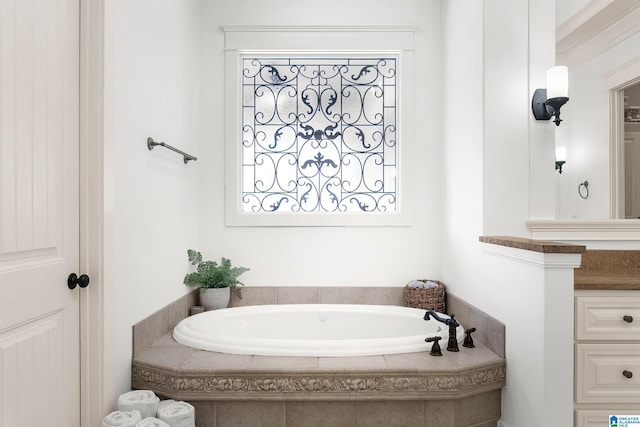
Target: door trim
column 96, row 386
column 614, row 83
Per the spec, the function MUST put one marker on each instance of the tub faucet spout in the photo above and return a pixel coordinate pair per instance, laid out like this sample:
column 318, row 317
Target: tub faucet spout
column 452, row 323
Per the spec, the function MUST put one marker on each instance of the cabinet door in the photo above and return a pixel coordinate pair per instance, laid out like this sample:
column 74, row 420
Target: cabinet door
column 603, row 318
column 600, row 418
column 608, row 373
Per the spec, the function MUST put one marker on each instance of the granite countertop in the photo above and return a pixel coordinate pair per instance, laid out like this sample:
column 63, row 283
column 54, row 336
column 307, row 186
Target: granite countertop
column 608, row 270
column 533, row 245
column 598, row 280
column 600, row 269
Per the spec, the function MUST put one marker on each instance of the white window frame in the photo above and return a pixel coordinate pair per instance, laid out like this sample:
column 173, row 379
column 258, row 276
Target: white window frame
column 318, row 41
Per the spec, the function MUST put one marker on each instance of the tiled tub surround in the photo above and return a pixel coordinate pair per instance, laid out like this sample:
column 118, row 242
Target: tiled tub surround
column 414, row 389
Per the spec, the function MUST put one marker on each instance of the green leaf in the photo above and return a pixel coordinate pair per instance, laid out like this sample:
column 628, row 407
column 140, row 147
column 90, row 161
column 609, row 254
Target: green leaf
column 194, row 256
column 209, row 274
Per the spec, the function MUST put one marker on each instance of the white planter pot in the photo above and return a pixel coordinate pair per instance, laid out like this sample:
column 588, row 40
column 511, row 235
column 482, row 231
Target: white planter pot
column 214, row 298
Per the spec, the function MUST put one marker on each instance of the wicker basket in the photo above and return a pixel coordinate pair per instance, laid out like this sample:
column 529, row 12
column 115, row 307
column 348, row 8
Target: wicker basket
column 426, row 298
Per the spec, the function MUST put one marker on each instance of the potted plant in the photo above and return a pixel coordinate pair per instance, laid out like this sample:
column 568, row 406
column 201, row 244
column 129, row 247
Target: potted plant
column 214, row 280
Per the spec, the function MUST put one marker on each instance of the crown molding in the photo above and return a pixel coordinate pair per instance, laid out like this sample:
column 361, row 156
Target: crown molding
column 597, row 27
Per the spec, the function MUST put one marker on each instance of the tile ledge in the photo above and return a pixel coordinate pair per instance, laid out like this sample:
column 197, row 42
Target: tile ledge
column 464, row 378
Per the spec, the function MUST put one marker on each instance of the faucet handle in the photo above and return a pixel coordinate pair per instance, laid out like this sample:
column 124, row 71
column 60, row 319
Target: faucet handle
column 468, row 341
column 435, row 349
column 452, row 320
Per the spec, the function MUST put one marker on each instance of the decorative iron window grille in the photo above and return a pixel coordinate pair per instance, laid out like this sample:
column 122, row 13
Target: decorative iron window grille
column 319, row 135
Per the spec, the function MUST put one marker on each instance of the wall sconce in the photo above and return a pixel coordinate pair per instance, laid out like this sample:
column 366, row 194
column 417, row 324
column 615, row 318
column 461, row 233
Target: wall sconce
column 561, row 158
column 546, row 103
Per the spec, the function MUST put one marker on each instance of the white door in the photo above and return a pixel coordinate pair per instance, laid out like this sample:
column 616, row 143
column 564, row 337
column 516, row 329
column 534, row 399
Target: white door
column 39, row 228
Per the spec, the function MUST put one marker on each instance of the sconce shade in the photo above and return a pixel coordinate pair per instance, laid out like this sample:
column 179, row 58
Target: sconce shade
column 546, row 103
column 558, row 82
column 561, row 157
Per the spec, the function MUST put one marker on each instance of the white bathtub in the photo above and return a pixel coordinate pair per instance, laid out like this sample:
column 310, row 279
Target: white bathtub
column 320, row 330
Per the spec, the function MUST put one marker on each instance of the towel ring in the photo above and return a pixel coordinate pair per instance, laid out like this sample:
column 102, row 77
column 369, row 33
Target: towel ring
column 586, row 187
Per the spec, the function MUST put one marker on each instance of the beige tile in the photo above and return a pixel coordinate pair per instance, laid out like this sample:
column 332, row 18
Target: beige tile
column 459, row 308
column 150, row 329
column 389, row 414
column 491, row 423
column 209, row 361
column 283, row 364
column 255, row 296
column 319, row 414
column 298, row 295
column 383, row 296
column 480, row 321
column 205, row 413
column 418, row 362
column 178, row 310
column 469, row 357
column 166, row 341
column 154, row 326
column 439, row 413
column 341, row 295
column 478, row 409
column 168, row 357
column 488, row 330
column 496, row 337
column 249, row 414
column 352, row 364
column 193, row 298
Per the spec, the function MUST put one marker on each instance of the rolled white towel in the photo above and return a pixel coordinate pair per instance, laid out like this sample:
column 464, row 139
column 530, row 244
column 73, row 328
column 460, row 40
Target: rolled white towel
column 415, row 284
column 122, row 419
column 430, row 284
column 177, row 414
column 144, row 401
column 152, row 422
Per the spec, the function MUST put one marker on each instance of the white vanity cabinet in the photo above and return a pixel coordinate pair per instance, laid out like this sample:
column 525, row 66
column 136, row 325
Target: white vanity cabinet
column 607, row 355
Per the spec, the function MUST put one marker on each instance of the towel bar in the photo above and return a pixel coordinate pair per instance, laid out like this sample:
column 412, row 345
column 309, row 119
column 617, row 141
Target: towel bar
column 151, row 143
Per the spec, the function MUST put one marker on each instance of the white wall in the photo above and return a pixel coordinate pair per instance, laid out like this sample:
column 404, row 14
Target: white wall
column 533, row 296
column 507, row 110
column 307, row 256
column 463, row 145
column 489, row 61
column 585, row 134
column 153, row 54
column 498, row 168
column 472, row 173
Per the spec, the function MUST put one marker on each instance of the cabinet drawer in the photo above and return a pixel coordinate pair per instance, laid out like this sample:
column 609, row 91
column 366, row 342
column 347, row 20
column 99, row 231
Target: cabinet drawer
column 600, row 372
column 600, row 418
column 603, row 318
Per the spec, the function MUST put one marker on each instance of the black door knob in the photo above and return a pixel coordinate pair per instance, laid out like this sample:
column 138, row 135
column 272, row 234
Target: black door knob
column 73, row 280
column 627, row 318
column 627, row 374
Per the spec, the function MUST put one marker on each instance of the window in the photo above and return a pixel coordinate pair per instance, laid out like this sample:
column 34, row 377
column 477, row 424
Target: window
column 318, row 128
column 319, row 135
